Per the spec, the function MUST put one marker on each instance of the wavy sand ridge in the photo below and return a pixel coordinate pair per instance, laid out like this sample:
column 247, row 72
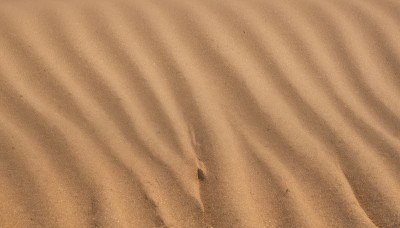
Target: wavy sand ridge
column 200, row 113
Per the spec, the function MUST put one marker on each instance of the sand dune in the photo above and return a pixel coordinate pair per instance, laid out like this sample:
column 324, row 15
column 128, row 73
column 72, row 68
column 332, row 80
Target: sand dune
column 213, row 113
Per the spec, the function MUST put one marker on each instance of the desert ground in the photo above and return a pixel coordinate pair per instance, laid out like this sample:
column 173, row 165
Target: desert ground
column 200, row 113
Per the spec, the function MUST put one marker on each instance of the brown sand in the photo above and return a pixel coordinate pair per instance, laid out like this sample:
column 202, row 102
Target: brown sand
column 200, row 113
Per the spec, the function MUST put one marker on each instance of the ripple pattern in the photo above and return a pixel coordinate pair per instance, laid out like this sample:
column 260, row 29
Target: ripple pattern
column 212, row 113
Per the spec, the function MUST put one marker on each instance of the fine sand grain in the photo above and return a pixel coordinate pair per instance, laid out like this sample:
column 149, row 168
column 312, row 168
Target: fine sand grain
column 200, row 113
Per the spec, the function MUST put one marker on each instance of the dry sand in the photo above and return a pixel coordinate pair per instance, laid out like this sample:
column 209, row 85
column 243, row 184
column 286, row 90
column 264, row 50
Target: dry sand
column 200, row 113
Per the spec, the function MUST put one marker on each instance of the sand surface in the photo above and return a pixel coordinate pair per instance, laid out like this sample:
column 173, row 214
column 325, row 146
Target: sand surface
column 200, row 113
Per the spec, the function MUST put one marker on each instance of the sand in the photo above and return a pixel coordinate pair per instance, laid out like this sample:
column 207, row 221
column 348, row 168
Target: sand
column 200, row 113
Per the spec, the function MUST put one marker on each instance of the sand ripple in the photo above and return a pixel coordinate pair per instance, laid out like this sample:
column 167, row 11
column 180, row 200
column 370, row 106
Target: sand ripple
column 208, row 113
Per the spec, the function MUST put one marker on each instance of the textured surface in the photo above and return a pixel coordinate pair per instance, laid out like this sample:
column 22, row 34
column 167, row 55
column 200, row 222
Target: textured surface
column 202, row 113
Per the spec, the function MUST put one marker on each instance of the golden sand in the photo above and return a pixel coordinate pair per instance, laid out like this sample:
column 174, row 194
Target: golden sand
column 200, row 113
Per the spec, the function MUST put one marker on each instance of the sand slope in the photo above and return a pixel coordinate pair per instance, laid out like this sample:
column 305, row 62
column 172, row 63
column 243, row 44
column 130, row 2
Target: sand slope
column 211, row 113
